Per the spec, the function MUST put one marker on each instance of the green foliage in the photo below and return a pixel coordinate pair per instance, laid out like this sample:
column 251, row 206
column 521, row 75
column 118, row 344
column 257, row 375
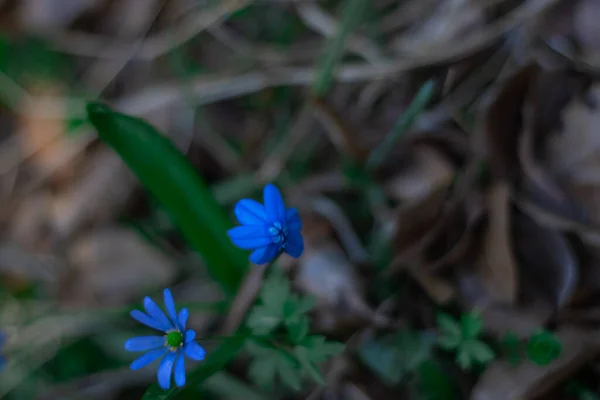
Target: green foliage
column 543, row 348
column 290, row 363
column 396, row 356
column 168, row 175
column 433, row 383
column 581, row 392
column 277, row 306
column 511, row 347
column 463, row 338
column 296, row 353
column 215, row 361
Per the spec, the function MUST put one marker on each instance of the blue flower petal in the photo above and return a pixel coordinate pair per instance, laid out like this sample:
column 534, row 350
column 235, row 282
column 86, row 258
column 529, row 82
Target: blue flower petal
column 194, row 351
column 274, row 205
column 265, row 254
column 250, row 212
column 295, row 245
column 165, row 369
column 146, row 320
column 159, row 316
column 2, row 362
column 189, row 336
column 293, row 219
column 144, row 343
column 182, row 319
column 250, row 236
column 148, row 358
column 170, row 306
column 180, row 369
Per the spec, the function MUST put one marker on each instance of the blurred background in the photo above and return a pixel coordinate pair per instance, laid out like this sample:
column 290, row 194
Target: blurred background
column 441, row 154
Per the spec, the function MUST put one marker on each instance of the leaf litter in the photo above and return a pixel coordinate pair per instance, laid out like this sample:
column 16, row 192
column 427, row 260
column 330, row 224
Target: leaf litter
column 487, row 206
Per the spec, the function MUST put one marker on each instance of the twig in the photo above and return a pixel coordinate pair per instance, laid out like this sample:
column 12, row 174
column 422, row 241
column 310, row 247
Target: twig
column 91, row 45
column 104, row 70
column 244, row 298
column 318, row 20
column 340, row 133
column 275, row 162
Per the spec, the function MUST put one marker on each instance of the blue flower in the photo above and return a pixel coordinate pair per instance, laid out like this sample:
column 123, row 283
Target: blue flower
column 269, row 229
column 172, row 346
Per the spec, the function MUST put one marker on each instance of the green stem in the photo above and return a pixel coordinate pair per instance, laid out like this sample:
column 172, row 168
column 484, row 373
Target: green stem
column 351, row 14
column 405, row 121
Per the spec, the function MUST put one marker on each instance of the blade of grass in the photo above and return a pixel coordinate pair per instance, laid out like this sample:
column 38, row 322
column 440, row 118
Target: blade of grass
column 169, row 176
column 351, row 16
column 405, row 121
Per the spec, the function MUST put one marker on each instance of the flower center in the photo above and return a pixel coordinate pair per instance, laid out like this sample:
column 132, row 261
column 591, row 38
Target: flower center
column 174, row 339
column 278, row 233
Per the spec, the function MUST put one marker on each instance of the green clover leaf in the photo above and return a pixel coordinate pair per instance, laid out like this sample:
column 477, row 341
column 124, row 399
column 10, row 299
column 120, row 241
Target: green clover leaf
column 543, row 348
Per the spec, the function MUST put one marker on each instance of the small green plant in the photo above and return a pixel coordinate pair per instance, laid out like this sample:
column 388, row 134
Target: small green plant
column 512, row 348
column 395, row 357
column 463, row 338
column 543, row 348
column 281, row 343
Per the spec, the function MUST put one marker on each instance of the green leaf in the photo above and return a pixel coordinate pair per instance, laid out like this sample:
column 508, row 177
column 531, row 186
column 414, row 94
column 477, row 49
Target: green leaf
column 214, row 362
column 394, row 356
column 471, row 325
column 448, row 326
column 262, row 372
column 511, row 346
column 289, row 371
column 434, row 383
column 543, row 348
column 479, row 351
column 463, row 358
column 169, row 176
column 448, row 342
column 308, row 366
column 298, row 329
column 262, row 321
column 275, row 292
column 295, row 307
column 319, row 350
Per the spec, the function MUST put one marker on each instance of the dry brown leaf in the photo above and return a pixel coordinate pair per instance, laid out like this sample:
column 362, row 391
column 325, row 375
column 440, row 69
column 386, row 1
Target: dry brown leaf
column 574, row 155
column 428, row 171
column 547, row 264
column 440, row 290
column 451, row 20
column 586, row 28
column 499, row 319
column 497, row 264
column 416, row 228
column 501, row 381
column 501, row 124
column 45, row 139
column 98, row 195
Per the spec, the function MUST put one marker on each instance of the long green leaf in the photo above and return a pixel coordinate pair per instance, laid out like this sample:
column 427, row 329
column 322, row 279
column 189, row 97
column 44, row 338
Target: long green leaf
column 214, row 362
column 168, row 175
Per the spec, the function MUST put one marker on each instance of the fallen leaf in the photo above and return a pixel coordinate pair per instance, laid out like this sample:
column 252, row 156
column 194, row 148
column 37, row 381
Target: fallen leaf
column 547, row 264
column 427, row 172
column 497, row 264
column 586, row 29
column 501, row 124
